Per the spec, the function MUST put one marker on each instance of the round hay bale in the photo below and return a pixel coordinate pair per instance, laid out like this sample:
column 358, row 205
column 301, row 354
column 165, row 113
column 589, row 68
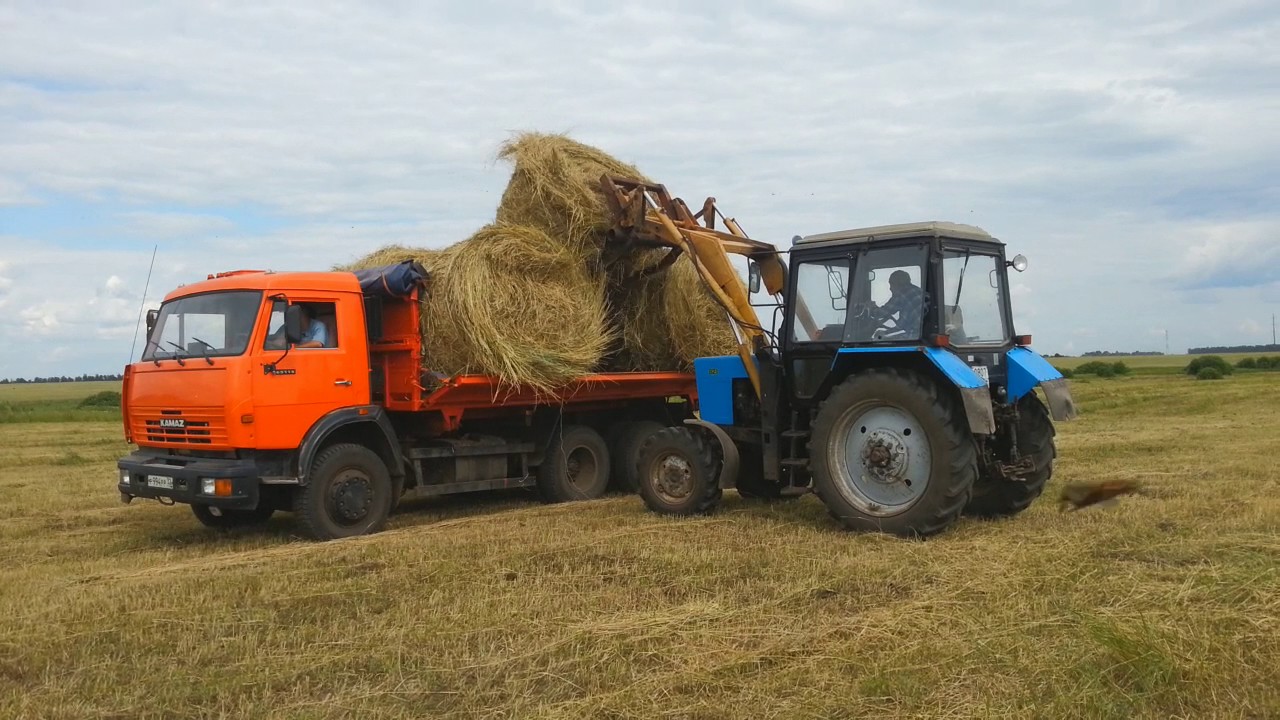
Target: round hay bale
column 554, row 187
column 513, row 303
column 696, row 324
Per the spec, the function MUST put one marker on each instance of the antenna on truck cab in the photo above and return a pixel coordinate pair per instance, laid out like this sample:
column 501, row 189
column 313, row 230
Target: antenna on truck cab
column 143, row 304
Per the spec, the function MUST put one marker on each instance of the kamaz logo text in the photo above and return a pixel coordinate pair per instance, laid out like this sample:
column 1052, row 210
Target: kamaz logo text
column 173, row 423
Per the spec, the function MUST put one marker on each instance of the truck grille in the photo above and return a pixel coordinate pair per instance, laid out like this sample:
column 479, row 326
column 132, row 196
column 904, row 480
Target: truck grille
column 179, row 428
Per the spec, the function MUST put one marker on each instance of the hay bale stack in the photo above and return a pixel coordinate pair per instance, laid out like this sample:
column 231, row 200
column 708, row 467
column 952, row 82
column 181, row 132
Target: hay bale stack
column 509, row 302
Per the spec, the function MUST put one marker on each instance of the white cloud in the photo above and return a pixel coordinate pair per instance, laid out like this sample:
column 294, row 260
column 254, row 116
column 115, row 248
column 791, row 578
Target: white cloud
column 1128, row 150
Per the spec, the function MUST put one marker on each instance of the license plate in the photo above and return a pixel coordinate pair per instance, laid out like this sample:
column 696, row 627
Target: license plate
column 981, row 371
column 160, row 481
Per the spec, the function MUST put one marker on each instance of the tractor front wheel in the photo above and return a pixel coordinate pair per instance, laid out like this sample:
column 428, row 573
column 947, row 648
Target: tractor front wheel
column 891, row 453
column 679, row 472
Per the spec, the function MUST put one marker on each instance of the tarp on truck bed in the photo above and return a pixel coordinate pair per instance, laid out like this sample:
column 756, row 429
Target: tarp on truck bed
column 397, row 280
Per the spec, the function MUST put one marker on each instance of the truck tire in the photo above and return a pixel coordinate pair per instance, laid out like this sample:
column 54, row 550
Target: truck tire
column 225, row 519
column 994, row 496
column 348, row 493
column 576, row 466
column 890, row 453
column 627, row 437
column 678, row 471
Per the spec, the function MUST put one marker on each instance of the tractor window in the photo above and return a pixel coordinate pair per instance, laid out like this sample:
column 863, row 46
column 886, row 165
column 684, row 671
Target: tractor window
column 889, row 301
column 973, row 297
column 822, row 296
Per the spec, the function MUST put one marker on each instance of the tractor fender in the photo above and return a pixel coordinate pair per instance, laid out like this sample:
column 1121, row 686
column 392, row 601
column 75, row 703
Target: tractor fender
column 373, row 416
column 975, row 394
column 1028, row 369
column 728, row 450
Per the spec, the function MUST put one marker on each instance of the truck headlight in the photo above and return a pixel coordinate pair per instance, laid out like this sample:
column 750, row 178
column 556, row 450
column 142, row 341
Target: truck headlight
column 124, row 477
column 207, row 486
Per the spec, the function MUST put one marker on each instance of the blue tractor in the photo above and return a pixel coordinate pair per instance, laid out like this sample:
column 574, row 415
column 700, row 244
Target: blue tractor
column 892, row 382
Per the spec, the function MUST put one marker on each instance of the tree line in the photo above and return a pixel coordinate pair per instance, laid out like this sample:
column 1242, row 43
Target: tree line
column 60, row 379
column 1233, row 349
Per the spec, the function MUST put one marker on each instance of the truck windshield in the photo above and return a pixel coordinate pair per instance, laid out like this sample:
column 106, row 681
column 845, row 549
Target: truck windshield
column 212, row 325
column 973, row 298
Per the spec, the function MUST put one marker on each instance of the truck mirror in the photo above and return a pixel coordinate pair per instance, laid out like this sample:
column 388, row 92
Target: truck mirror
column 293, row 324
column 753, row 276
column 152, row 314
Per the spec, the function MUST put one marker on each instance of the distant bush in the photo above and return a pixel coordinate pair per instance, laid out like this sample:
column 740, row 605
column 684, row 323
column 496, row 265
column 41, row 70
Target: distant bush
column 1066, row 372
column 1209, row 373
column 1248, row 364
column 104, row 399
column 1120, row 368
column 1268, row 363
column 1101, row 369
column 1214, row 362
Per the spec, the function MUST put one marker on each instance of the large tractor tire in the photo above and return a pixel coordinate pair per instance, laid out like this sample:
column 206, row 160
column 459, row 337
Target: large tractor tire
column 576, row 467
column 226, row 519
column 679, row 472
column 891, row 453
column 625, row 439
column 994, row 496
column 348, row 493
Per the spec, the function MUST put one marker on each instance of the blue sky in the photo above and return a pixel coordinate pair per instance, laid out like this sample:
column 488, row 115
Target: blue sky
column 1129, row 152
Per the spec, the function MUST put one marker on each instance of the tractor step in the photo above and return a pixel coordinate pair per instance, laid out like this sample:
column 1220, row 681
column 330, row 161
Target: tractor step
column 794, row 433
column 796, row 462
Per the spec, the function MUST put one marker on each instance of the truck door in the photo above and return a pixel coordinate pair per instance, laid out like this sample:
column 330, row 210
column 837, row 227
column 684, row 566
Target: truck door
column 328, row 371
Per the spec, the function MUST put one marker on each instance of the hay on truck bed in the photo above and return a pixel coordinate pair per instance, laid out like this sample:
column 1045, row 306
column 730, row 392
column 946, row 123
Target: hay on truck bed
column 509, row 302
column 525, row 299
column 665, row 320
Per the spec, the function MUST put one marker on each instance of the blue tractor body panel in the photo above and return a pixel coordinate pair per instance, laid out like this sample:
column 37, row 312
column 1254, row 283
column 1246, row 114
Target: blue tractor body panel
column 955, row 369
column 715, row 376
column 1026, row 371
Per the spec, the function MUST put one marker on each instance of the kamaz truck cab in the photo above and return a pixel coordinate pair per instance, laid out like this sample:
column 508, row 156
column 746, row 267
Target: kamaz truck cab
column 896, row 388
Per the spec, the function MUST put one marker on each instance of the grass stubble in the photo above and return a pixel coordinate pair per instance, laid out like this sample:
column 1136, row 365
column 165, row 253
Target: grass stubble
column 494, row 606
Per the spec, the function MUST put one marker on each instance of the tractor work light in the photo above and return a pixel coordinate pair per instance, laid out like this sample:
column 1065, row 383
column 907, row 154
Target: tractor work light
column 1019, row 262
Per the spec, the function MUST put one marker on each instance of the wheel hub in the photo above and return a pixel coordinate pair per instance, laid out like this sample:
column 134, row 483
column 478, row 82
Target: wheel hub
column 885, row 456
column 673, row 477
column 352, row 497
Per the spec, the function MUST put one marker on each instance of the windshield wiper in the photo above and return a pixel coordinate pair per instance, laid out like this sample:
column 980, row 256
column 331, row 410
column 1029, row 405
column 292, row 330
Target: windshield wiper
column 205, row 354
column 960, row 282
column 177, row 355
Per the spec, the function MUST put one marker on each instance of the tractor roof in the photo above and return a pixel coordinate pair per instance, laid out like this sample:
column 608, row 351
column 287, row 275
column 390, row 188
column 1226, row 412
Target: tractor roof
column 931, row 229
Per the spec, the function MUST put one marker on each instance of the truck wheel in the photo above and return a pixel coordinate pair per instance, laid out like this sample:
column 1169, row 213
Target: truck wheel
column 348, row 493
column 995, row 496
column 225, row 519
column 890, row 453
column 678, row 472
column 577, row 466
column 627, row 437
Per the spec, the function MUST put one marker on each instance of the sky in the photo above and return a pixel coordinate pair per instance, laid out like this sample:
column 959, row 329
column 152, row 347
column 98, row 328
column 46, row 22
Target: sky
column 1130, row 150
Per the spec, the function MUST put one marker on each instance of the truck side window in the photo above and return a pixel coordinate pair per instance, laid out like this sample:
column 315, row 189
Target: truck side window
column 320, row 326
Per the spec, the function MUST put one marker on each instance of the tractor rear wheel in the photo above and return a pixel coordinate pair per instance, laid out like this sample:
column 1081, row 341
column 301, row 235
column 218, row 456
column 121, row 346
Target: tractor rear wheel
column 679, row 472
column 576, row 467
column 891, row 453
column 225, row 519
column 995, row 496
column 626, row 438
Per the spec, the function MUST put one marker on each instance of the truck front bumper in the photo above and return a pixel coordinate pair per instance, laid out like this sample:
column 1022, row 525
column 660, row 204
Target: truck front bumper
column 181, row 479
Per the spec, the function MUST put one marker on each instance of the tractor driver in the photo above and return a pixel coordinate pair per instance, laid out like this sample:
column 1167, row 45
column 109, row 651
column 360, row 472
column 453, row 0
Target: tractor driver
column 906, row 302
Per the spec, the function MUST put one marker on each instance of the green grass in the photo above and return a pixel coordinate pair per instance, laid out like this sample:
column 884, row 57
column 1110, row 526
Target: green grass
column 495, row 606
column 55, row 402
column 1151, row 364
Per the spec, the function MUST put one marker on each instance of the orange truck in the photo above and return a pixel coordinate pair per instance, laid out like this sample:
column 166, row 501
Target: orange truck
column 305, row 392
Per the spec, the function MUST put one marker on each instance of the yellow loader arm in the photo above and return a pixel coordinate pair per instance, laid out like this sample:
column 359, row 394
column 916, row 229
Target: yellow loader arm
column 646, row 216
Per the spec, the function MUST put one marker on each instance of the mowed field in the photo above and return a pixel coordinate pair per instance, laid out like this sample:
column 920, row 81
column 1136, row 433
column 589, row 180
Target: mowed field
column 1164, row 605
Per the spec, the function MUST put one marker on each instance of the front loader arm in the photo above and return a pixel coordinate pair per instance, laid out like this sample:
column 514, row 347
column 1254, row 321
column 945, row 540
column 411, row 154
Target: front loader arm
column 646, row 216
